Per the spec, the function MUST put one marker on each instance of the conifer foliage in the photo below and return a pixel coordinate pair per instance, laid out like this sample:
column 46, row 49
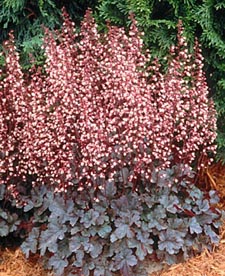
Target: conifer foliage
column 95, row 112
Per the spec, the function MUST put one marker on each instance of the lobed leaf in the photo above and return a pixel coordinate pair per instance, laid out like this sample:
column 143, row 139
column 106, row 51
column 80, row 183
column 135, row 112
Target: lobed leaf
column 50, row 237
column 195, row 226
column 58, row 264
column 31, row 242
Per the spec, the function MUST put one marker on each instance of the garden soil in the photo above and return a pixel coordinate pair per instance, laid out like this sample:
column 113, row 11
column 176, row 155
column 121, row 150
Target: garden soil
column 14, row 263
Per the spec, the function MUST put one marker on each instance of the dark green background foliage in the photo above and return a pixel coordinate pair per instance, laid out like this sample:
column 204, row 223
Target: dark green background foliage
column 26, row 18
column 157, row 18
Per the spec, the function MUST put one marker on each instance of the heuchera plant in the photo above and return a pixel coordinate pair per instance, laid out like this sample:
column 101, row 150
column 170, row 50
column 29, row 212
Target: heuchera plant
column 82, row 235
column 94, row 112
column 111, row 144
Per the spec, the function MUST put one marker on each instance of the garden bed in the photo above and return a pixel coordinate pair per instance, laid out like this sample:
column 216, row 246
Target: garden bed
column 209, row 264
column 14, row 263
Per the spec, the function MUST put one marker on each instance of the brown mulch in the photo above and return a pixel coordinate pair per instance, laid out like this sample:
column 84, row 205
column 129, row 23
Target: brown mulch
column 14, row 263
column 213, row 178
column 206, row 264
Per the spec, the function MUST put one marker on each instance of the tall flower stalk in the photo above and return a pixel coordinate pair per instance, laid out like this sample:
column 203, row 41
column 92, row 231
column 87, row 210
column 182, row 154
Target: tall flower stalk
column 98, row 112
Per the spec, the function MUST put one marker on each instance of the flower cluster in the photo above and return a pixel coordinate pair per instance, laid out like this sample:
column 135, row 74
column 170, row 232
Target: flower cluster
column 193, row 122
column 95, row 113
column 184, row 107
column 13, row 118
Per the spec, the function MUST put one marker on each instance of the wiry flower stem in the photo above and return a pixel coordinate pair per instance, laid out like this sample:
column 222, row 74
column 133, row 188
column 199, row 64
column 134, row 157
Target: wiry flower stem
column 96, row 114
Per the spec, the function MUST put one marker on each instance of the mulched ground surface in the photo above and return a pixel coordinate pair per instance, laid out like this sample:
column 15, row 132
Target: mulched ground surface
column 206, row 264
column 13, row 262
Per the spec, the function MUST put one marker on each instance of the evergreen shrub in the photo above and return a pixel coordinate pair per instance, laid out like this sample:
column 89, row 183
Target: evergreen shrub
column 99, row 151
